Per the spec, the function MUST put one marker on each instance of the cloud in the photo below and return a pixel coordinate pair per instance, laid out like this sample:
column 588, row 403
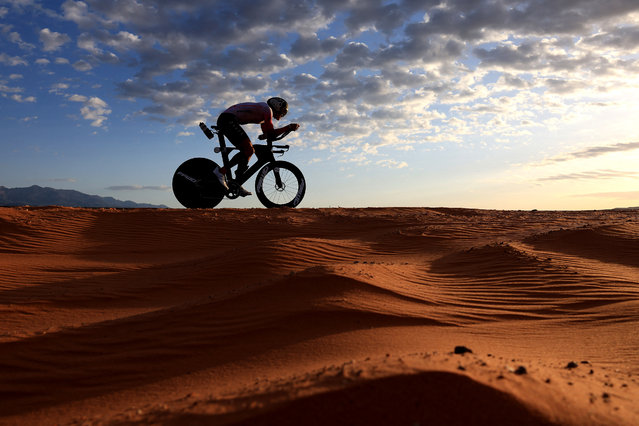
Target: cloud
column 385, row 18
column 598, row 174
column 12, row 60
column 601, row 150
column 420, row 49
column 52, row 40
column 82, row 65
column 78, row 12
column 78, row 98
column 171, row 37
column 625, row 38
column 392, row 164
column 349, row 68
column 17, row 39
column 176, row 99
column 475, row 20
column 310, row 46
column 16, row 92
column 94, row 109
column 8, row 89
column 523, row 56
column 58, row 88
column 592, row 152
column 21, row 99
column 354, row 55
column 138, row 188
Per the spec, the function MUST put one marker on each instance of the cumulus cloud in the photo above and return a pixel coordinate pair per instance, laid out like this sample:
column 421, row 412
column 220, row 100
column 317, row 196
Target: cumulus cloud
column 78, row 12
column 82, row 65
column 4, row 88
column 12, row 60
column 350, row 68
column 123, row 41
column 177, row 99
column 58, row 88
column 16, row 38
column 78, row 98
column 175, row 35
column 94, row 109
column 21, row 99
column 52, row 40
column 392, row 164
column 310, row 46
column 618, row 37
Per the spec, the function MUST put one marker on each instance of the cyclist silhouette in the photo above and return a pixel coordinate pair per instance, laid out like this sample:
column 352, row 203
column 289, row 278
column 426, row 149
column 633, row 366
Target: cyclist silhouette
column 230, row 123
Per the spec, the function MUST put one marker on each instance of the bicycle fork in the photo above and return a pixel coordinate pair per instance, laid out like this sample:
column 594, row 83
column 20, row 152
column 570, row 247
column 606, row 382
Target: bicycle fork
column 278, row 180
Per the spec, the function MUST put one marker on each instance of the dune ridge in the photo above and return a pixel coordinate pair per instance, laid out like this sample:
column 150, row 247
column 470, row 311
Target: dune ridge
column 318, row 316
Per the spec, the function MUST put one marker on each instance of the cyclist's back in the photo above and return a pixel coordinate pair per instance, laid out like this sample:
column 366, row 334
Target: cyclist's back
column 251, row 112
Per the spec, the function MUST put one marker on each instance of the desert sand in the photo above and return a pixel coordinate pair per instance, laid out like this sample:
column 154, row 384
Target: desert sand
column 395, row 316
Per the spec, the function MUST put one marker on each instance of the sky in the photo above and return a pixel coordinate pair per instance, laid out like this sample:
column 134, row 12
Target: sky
column 495, row 104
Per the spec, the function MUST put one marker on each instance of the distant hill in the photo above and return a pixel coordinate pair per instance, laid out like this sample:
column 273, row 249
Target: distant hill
column 627, row 208
column 38, row 196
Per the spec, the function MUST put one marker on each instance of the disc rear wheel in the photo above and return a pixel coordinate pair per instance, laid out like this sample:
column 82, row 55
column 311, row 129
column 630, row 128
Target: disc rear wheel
column 195, row 185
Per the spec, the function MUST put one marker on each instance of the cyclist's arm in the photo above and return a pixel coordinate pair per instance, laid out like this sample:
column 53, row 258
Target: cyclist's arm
column 271, row 132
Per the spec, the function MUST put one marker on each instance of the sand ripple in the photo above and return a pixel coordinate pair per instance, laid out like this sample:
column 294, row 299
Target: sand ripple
column 189, row 317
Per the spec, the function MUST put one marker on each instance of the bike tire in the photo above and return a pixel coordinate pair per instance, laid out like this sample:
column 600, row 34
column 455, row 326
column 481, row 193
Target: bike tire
column 271, row 194
column 195, row 185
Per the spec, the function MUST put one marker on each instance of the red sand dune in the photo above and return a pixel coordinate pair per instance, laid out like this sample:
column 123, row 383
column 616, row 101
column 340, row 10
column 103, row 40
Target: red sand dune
column 318, row 316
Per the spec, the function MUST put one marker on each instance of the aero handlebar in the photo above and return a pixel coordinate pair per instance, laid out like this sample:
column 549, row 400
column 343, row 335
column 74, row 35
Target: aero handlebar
column 277, row 138
column 209, row 134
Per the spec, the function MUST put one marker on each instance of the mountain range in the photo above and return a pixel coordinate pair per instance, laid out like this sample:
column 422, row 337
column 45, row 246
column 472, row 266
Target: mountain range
column 38, row 196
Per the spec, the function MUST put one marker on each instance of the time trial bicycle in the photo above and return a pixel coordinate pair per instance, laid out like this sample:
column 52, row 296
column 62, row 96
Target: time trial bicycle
column 277, row 184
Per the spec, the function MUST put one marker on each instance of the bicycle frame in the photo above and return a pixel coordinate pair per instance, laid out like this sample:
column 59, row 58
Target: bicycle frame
column 264, row 154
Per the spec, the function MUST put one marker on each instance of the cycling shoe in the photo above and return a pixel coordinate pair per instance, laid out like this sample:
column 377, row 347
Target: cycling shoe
column 243, row 192
column 221, row 178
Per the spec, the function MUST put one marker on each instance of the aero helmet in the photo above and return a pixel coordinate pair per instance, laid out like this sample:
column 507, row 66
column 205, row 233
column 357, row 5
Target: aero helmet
column 278, row 105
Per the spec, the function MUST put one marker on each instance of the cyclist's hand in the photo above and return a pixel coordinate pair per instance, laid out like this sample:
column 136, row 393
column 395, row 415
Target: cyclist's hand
column 293, row 127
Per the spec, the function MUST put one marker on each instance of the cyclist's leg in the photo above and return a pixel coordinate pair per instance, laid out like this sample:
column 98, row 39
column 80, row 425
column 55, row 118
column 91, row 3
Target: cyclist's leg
column 242, row 158
column 238, row 137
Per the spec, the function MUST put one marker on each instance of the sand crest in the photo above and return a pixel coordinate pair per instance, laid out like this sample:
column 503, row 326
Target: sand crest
column 318, row 316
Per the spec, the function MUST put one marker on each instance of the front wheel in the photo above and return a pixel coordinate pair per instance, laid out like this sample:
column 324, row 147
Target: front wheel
column 280, row 184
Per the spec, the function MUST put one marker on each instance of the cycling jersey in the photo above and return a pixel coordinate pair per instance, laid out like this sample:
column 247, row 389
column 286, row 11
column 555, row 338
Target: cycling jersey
column 254, row 113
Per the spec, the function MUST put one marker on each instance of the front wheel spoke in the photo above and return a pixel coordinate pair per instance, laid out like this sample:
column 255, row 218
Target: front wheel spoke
column 286, row 193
